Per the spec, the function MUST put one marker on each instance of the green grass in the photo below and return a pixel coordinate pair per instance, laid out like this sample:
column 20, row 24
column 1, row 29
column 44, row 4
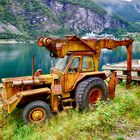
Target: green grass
column 117, row 119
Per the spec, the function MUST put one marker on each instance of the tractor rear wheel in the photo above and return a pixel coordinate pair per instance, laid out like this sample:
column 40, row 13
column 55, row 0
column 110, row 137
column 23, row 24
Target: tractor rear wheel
column 89, row 92
column 36, row 112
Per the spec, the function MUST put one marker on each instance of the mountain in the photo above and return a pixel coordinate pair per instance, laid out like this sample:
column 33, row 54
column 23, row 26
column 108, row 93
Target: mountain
column 29, row 19
column 124, row 8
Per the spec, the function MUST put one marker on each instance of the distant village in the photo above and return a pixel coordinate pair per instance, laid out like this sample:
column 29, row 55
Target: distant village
column 132, row 35
column 92, row 35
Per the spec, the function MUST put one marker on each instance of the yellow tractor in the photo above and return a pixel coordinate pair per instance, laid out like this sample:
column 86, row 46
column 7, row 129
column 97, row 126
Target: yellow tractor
column 73, row 82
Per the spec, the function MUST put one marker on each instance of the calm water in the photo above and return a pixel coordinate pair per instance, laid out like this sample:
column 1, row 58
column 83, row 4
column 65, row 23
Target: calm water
column 16, row 59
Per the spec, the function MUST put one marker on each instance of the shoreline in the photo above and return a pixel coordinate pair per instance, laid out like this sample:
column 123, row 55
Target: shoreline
column 12, row 41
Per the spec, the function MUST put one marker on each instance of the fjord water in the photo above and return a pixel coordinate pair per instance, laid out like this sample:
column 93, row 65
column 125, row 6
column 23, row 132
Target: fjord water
column 16, row 59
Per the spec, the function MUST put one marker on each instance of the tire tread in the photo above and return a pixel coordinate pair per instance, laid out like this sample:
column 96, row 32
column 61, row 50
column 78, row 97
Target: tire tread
column 81, row 91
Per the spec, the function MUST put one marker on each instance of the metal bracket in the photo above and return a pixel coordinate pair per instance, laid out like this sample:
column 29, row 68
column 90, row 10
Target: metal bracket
column 112, row 84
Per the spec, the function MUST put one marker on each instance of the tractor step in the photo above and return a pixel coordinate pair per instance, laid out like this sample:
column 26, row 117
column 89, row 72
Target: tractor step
column 68, row 107
column 67, row 103
column 67, row 100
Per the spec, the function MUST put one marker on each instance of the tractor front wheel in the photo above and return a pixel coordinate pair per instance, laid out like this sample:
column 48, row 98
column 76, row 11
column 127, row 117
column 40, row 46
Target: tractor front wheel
column 36, row 112
column 89, row 92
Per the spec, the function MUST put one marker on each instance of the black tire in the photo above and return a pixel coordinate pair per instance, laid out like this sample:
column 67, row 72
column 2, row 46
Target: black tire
column 41, row 109
column 87, row 89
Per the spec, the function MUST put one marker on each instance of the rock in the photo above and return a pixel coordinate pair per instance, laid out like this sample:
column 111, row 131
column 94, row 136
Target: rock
column 79, row 18
column 8, row 27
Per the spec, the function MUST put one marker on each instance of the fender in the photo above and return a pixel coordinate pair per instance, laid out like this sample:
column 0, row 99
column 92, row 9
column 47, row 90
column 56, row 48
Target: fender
column 84, row 75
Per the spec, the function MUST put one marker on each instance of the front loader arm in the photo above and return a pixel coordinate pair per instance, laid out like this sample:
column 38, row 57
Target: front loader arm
column 112, row 44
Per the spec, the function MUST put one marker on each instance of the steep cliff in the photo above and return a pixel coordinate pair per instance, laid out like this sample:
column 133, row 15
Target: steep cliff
column 127, row 9
column 78, row 17
column 32, row 18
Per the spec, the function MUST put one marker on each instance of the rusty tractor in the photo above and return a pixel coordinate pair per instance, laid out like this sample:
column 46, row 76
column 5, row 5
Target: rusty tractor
column 73, row 82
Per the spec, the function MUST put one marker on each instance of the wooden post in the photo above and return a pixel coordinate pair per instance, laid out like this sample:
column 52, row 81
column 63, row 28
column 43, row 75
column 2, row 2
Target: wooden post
column 129, row 65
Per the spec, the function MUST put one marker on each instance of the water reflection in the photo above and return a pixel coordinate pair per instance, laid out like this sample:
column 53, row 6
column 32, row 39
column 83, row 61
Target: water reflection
column 16, row 59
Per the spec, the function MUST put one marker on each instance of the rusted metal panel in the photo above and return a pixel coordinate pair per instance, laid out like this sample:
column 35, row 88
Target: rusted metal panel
column 129, row 65
column 54, row 103
column 112, row 84
column 61, row 76
column 9, row 81
column 56, row 89
column 74, row 43
column 82, row 75
column 14, row 100
column 34, row 91
column 13, row 86
column 12, row 103
column 70, row 80
column 94, row 73
column 3, row 98
column 70, row 77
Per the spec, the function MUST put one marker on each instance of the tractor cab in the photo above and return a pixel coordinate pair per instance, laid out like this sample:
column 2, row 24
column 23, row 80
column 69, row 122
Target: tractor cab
column 71, row 66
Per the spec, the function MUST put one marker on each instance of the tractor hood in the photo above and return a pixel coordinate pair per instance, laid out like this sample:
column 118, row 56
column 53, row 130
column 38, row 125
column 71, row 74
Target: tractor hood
column 28, row 80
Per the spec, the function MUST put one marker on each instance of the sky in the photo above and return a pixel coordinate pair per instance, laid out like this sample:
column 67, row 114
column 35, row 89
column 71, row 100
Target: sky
column 127, row 0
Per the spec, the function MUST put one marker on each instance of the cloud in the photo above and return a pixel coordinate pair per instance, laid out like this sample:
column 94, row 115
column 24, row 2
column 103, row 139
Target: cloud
column 127, row 0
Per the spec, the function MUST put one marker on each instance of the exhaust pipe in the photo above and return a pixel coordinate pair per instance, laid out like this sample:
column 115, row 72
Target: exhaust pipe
column 33, row 59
